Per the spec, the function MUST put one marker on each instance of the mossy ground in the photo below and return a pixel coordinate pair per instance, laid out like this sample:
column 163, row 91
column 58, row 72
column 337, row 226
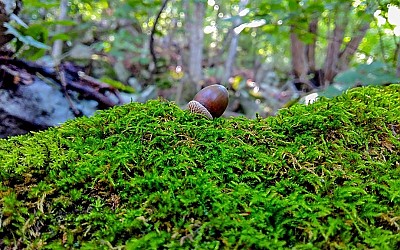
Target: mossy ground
column 151, row 175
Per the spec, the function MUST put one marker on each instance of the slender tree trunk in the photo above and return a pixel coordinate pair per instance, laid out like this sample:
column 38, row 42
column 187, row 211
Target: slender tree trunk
column 58, row 44
column 396, row 57
column 347, row 54
column 230, row 60
column 310, row 48
column 337, row 60
column 299, row 59
column 398, row 61
column 193, row 79
column 195, row 22
column 333, row 52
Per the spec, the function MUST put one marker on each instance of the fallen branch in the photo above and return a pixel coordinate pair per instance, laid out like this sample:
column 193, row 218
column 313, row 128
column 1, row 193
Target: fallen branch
column 66, row 78
column 98, row 85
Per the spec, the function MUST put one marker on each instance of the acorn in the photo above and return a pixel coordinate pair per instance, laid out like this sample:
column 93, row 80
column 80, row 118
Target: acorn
column 210, row 101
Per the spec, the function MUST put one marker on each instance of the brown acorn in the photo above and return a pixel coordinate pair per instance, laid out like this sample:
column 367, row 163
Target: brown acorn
column 210, row 101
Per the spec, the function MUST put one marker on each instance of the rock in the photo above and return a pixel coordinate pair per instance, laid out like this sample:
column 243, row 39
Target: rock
column 81, row 51
column 11, row 125
column 120, row 70
column 37, row 106
column 134, row 83
column 40, row 105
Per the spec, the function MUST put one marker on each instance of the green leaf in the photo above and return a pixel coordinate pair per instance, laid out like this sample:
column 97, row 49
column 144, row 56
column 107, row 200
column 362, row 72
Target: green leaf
column 61, row 36
column 28, row 40
column 375, row 73
column 60, row 22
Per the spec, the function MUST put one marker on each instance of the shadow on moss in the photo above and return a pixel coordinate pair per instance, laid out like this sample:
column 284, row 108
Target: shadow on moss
column 152, row 175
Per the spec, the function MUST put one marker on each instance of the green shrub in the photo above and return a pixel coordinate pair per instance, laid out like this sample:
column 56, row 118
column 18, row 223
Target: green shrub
column 144, row 176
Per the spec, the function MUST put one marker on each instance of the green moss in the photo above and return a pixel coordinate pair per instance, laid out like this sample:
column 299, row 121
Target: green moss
column 151, row 175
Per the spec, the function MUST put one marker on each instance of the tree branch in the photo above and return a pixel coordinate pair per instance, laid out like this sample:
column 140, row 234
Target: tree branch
column 85, row 85
column 153, row 31
column 351, row 47
column 333, row 52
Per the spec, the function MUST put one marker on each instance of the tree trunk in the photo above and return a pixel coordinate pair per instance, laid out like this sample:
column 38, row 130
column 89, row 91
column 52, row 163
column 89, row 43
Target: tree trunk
column 398, row 61
column 351, row 48
column 299, row 60
column 337, row 60
column 195, row 27
column 193, row 79
column 58, row 44
column 230, row 60
column 332, row 55
column 310, row 48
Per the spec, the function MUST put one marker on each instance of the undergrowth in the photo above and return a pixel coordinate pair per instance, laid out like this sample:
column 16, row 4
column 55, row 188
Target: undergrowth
column 143, row 176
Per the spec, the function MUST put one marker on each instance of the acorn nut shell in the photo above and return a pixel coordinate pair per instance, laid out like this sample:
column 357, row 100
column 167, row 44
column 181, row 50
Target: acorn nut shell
column 210, row 101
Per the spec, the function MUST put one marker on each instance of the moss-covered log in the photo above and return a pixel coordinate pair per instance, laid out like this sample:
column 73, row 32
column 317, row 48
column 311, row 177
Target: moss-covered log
column 151, row 175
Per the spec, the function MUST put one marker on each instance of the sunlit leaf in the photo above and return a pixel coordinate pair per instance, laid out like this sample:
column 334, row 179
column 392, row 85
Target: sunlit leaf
column 28, row 40
column 60, row 22
column 63, row 37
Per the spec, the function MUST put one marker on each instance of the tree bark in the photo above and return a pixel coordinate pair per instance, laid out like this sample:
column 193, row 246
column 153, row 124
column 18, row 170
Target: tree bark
column 230, row 60
column 195, row 27
column 351, row 48
column 398, row 61
column 310, row 48
column 332, row 56
column 58, row 44
column 337, row 60
column 299, row 60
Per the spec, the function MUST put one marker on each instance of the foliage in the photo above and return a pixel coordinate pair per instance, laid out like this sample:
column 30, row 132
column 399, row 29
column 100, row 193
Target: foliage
column 116, row 37
column 376, row 73
column 152, row 175
column 28, row 40
column 272, row 38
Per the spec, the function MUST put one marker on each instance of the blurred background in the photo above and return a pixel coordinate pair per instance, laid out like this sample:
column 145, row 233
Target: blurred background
column 62, row 59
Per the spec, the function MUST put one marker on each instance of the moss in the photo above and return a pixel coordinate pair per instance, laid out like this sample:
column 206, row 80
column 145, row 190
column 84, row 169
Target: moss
column 151, row 175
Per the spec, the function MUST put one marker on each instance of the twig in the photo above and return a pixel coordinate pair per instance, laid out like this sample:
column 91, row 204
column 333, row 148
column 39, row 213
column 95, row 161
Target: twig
column 102, row 99
column 18, row 77
column 101, row 86
column 9, row 71
column 61, row 76
column 153, row 31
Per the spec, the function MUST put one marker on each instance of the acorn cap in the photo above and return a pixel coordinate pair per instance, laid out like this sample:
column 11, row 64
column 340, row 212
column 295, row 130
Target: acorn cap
column 197, row 108
column 214, row 98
